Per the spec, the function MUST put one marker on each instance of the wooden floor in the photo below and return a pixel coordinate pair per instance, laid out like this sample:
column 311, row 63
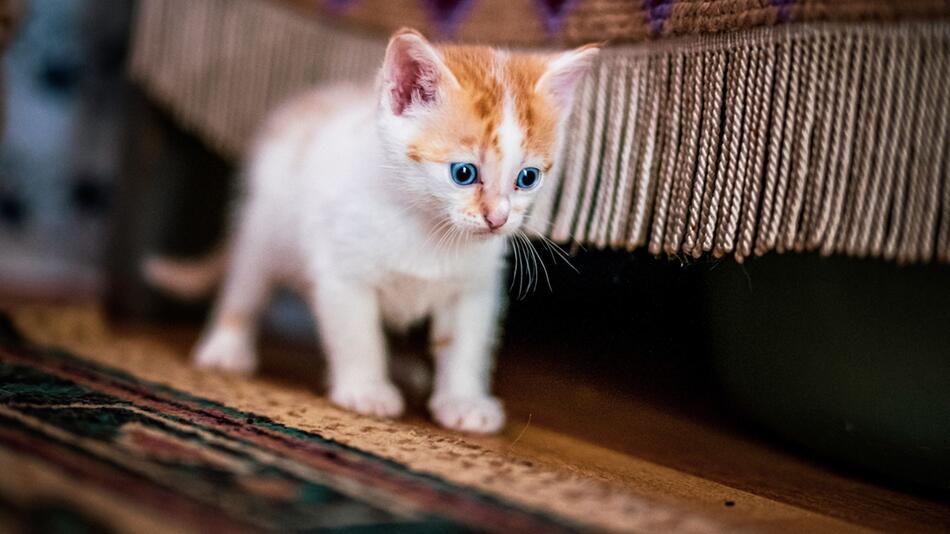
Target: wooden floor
column 651, row 425
column 672, row 445
column 707, row 460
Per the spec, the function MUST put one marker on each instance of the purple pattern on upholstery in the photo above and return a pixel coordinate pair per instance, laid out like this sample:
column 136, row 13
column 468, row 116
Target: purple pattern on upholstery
column 657, row 13
column 783, row 9
column 554, row 12
column 448, row 14
column 339, row 5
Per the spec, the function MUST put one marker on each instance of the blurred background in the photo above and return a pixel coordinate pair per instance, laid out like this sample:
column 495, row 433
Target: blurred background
column 841, row 361
column 60, row 154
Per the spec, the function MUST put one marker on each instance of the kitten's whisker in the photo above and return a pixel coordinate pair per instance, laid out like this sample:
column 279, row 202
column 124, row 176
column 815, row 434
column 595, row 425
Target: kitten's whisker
column 456, row 242
column 570, row 238
column 522, row 265
column 541, row 262
column 538, row 265
column 524, row 287
column 433, row 232
column 533, row 271
column 445, row 236
column 530, row 220
column 514, row 271
column 450, row 244
column 547, row 246
column 555, row 248
column 436, row 229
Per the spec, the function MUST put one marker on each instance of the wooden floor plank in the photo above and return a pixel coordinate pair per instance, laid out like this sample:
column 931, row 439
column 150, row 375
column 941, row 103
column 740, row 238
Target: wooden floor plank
column 695, row 458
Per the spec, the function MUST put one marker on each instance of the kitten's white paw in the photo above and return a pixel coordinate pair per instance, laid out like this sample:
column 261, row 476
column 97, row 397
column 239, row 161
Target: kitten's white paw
column 479, row 414
column 228, row 351
column 378, row 399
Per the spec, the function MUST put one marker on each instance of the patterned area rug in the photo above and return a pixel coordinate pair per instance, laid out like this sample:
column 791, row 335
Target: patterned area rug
column 210, row 467
column 128, row 438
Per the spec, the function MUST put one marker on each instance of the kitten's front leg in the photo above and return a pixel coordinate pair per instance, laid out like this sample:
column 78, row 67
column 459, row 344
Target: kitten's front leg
column 463, row 337
column 348, row 319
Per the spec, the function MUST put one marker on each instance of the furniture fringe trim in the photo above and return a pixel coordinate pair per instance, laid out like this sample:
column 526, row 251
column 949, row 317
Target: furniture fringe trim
column 816, row 137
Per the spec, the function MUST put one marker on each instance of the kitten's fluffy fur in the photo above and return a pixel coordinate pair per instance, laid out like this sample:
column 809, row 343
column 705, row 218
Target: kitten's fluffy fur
column 349, row 199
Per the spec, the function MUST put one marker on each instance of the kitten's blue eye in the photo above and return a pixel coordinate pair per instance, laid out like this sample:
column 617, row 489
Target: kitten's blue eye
column 528, row 178
column 463, row 173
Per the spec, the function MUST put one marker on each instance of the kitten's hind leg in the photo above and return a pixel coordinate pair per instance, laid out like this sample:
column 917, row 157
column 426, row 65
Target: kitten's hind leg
column 229, row 342
column 351, row 331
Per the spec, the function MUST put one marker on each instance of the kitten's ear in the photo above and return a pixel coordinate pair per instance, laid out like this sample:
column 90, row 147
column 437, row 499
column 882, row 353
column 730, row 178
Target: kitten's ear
column 413, row 72
column 565, row 72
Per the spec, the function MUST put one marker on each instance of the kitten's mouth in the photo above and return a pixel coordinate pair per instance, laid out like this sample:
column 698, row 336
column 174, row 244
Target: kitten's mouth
column 486, row 232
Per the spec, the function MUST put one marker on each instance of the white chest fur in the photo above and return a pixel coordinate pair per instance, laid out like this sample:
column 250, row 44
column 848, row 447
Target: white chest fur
column 405, row 300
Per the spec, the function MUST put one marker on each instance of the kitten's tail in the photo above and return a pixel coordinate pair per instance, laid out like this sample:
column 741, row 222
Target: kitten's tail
column 188, row 279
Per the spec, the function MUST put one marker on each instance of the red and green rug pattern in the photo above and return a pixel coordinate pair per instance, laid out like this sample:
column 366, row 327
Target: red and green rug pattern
column 202, row 466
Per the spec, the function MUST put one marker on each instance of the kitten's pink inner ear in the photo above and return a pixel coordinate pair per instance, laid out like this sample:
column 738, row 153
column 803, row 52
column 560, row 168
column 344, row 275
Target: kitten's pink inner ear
column 565, row 73
column 413, row 70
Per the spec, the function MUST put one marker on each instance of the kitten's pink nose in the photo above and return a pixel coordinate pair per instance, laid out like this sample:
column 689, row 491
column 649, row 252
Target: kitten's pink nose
column 496, row 218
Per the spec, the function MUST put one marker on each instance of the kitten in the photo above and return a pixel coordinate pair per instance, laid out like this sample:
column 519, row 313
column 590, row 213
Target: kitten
column 387, row 206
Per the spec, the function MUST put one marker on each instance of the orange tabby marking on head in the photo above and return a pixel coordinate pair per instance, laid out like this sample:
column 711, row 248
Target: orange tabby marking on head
column 472, row 112
column 474, row 68
column 536, row 114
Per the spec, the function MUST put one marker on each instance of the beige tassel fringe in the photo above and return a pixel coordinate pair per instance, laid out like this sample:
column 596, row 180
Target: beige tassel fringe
column 824, row 137
column 830, row 138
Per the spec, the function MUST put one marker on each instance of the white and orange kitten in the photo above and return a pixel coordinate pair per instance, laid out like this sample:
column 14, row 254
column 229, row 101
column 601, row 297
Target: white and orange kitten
column 389, row 205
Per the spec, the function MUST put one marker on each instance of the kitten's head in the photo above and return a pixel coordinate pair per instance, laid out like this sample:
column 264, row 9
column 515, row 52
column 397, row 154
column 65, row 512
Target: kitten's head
column 472, row 131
